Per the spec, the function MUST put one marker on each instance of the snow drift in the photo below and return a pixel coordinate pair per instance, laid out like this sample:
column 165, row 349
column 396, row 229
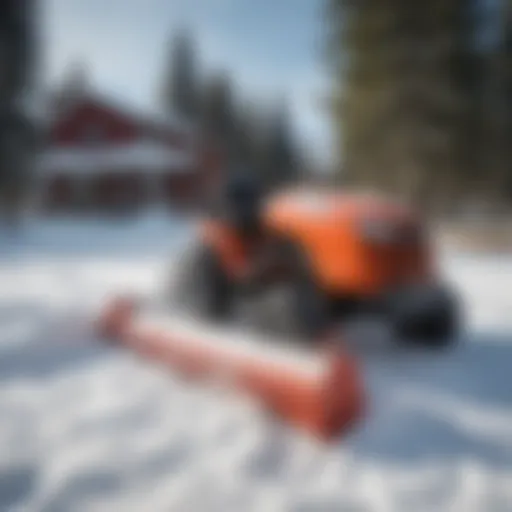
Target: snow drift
column 89, row 428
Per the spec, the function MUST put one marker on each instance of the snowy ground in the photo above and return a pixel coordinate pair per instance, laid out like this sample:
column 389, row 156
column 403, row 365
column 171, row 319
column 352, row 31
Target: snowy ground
column 84, row 427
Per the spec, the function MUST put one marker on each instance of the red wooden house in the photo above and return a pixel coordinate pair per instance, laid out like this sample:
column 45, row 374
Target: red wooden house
column 103, row 156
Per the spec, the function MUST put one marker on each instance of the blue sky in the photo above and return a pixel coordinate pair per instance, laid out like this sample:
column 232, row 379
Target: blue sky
column 272, row 49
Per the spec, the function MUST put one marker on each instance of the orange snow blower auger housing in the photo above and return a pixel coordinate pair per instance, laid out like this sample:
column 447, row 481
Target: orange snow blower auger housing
column 337, row 254
column 318, row 392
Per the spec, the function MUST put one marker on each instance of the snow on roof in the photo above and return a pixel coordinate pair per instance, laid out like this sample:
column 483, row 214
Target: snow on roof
column 144, row 156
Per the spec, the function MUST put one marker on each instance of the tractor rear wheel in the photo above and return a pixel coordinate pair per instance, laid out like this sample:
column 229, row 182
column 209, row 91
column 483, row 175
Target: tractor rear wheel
column 309, row 308
column 206, row 290
column 429, row 317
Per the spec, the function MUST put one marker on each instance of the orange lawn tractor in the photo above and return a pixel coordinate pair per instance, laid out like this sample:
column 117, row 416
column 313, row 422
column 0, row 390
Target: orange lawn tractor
column 338, row 254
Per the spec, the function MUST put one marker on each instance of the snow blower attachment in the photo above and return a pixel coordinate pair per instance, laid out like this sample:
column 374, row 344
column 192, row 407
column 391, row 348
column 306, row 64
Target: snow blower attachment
column 317, row 391
column 335, row 257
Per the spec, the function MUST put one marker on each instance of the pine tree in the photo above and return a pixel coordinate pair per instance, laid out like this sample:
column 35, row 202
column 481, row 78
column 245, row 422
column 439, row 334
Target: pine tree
column 468, row 73
column 218, row 118
column 495, row 113
column 180, row 90
column 506, row 87
column 398, row 100
column 17, row 82
column 280, row 164
column 246, row 139
column 74, row 86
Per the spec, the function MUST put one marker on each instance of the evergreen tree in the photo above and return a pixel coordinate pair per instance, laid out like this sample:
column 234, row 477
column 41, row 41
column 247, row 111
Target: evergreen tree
column 180, row 91
column 280, row 164
column 17, row 82
column 495, row 114
column 247, row 139
column 506, row 78
column 218, row 117
column 469, row 73
column 400, row 105
column 74, row 85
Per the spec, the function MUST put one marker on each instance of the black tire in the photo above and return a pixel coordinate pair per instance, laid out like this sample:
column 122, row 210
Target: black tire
column 310, row 308
column 209, row 291
column 436, row 326
column 443, row 329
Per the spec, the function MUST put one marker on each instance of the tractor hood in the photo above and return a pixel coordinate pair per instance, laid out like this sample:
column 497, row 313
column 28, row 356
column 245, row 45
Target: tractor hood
column 335, row 206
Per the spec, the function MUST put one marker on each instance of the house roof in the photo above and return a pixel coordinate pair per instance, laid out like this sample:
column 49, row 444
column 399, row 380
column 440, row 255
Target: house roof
column 154, row 118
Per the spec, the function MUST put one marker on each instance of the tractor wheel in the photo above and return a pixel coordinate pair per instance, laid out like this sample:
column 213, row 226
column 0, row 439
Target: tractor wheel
column 208, row 292
column 309, row 308
column 434, row 323
column 215, row 291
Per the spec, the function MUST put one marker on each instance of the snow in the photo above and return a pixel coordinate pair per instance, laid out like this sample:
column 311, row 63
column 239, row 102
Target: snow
column 144, row 155
column 87, row 427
